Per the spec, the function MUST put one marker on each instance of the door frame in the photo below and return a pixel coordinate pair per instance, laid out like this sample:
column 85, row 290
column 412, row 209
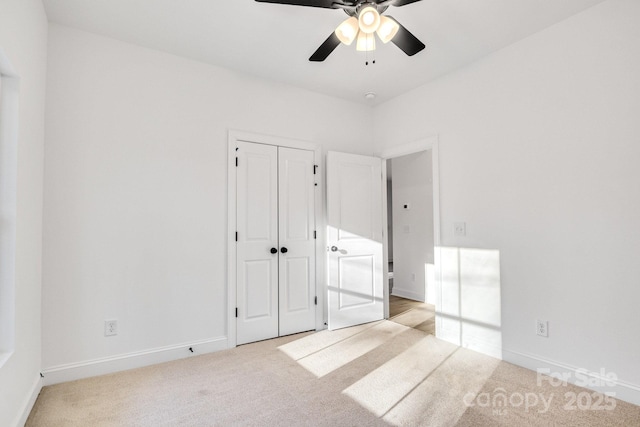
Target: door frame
column 233, row 137
column 424, row 144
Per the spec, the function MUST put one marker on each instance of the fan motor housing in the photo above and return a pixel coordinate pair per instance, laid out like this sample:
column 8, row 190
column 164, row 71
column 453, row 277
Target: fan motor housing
column 358, row 6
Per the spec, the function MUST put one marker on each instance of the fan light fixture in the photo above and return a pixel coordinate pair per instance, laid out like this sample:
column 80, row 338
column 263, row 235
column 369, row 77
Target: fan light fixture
column 348, row 30
column 388, row 29
column 369, row 19
column 366, row 42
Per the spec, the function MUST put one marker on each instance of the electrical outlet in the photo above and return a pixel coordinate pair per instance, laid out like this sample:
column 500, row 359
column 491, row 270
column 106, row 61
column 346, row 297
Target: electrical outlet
column 542, row 328
column 110, row 327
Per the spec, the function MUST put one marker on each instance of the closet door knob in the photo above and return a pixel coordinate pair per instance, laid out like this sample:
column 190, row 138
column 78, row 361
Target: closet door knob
column 274, row 251
column 334, row 249
column 284, row 250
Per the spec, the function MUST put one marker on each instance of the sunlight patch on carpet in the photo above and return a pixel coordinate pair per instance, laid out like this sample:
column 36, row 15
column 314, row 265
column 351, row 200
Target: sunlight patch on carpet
column 460, row 377
column 383, row 388
column 328, row 360
column 314, row 343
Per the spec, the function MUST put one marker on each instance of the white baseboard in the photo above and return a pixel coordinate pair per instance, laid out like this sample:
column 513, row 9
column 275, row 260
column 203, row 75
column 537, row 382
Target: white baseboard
column 123, row 362
column 403, row 293
column 618, row 388
column 28, row 406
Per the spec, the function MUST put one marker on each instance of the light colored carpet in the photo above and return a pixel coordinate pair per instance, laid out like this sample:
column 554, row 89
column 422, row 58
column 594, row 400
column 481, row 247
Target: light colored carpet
column 376, row 374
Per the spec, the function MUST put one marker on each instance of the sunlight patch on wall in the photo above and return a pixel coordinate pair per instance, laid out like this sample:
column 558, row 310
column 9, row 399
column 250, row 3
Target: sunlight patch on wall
column 469, row 314
column 430, row 284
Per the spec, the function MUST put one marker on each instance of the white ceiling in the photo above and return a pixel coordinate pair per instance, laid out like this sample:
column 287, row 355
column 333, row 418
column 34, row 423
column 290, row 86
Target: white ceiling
column 274, row 41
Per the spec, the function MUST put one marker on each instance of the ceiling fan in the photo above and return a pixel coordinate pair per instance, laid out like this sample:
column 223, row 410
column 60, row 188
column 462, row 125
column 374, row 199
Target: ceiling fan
column 365, row 18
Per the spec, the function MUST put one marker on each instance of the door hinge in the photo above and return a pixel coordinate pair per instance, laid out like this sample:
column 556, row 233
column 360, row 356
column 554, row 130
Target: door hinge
column 314, row 169
column 236, row 236
column 236, row 311
column 315, row 235
column 316, row 300
column 236, row 162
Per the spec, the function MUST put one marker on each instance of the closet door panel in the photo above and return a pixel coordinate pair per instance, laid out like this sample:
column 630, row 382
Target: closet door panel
column 257, row 223
column 296, row 234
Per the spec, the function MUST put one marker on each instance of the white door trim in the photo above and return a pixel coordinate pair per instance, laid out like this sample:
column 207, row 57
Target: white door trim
column 233, row 137
column 9, row 126
column 424, row 144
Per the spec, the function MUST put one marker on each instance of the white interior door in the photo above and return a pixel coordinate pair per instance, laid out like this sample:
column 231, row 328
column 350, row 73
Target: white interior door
column 275, row 250
column 257, row 224
column 296, row 236
column 354, row 237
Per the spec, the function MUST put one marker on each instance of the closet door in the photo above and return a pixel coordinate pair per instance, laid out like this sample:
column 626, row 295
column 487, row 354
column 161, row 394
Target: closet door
column 297, row 241
column 257, row 242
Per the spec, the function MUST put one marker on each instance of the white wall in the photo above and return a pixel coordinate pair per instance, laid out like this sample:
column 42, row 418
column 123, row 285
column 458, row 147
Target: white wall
column 23, row 33
column 539, row 151
column 135, row 191
column 413, row 227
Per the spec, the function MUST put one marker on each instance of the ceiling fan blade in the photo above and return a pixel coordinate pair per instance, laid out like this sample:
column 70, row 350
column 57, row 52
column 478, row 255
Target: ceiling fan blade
column 328, row 4
column 407, row 41
column 325, row 49
column 398, row 3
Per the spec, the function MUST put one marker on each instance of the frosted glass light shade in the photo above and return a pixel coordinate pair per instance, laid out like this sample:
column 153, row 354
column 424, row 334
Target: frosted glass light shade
column 347, row 31
column 369, row 20
column 388, row 29
column 366, row 42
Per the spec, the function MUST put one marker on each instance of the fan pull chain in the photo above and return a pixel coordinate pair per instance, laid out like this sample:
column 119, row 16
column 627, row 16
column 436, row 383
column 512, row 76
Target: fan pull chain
column 367, row 52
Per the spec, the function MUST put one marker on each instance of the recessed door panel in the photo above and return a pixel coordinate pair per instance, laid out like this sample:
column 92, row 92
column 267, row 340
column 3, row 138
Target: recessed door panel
column 356, row 281
column 295, row 213
column 260, row 184
column 353, row 197
column 259, row 289
column 296, row 294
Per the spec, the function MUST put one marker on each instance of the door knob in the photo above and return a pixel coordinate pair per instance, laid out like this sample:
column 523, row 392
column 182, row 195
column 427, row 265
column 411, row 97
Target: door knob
column 274, row 251
column 284, row 250
column 334, row 249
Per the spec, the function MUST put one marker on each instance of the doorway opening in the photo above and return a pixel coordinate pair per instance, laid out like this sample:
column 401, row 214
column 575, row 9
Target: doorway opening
column 412, row 224
column 410, row 233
